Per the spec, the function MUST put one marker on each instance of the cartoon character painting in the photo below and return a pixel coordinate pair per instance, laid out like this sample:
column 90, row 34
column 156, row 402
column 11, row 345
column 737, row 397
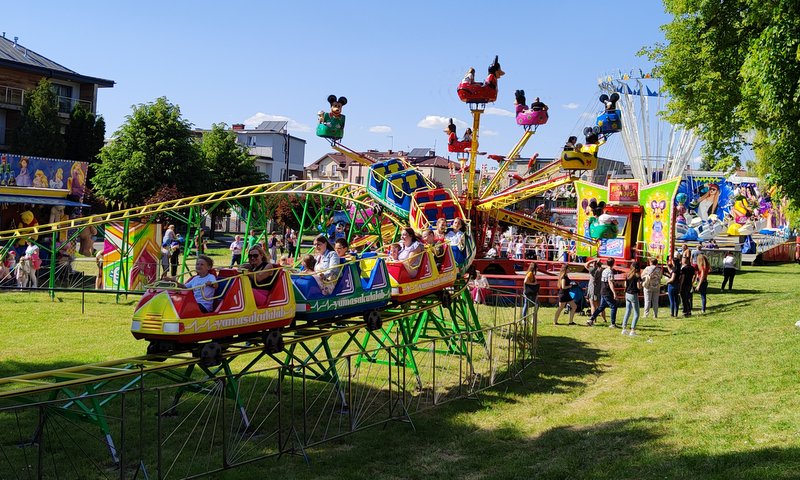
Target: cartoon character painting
column 58, row 179
column 40, row 180
column 23, row 179
column 708, row 203
column 77, row 181
column 657, row 235
column 331, row 124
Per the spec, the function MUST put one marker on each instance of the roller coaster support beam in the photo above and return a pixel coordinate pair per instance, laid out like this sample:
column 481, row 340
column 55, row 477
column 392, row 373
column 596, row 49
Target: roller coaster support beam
column 524, row 221
column 510, row 197
column 503, row 168
column 472, row 187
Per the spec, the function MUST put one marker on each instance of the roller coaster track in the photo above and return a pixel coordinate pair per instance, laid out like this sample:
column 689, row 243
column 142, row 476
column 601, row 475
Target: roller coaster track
column 350, row 191
column 134, row 368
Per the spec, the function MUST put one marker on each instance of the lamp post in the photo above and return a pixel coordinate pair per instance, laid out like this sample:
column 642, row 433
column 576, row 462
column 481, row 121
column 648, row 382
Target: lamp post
column 287, row 137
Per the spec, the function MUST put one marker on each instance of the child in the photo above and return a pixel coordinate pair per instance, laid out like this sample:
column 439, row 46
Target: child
column 236, row 250
column 307, row 263
column 394, row 252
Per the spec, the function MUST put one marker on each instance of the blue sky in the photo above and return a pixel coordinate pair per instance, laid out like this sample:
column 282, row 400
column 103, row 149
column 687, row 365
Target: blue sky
column 398, row 63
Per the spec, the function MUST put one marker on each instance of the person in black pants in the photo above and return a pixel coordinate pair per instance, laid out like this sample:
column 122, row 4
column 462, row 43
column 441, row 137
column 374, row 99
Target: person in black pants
column 687, row 280
column 608, row 296
column 728, row 271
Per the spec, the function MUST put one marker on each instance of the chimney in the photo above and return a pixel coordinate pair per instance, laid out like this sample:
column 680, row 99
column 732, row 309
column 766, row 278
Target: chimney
column 15, row 41
column 238, row 126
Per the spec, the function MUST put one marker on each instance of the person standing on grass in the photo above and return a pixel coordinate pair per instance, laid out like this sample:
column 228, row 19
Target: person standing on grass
column 703, row 269
column 651, row 281
column 564, row 298
column 530, row 292
column 687, row 280
column 673, row 287
column 633, row 284
column 729, row 270
column 593, row 288
column 236, row 250
column 608, row 295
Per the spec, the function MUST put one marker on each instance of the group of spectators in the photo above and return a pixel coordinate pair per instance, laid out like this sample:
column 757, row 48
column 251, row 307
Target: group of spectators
column 535, row 247
column 22, row 272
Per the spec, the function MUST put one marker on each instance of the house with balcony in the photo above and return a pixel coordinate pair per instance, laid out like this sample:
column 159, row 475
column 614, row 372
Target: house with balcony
column 21, row 69
column 338, row 167
column 279, row 155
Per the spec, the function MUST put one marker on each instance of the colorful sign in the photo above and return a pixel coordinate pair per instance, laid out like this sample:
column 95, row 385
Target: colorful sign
column 131, row 261
column 657, row 200
column 586, row 193
column 624, row 192
column 38, row 172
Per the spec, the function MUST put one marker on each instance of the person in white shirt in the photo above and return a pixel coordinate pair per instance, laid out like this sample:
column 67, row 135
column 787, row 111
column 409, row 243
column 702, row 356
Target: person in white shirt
column 327, row 259
column 728, row 270
column 203, row 283
column 651, row 281
column 236, row 250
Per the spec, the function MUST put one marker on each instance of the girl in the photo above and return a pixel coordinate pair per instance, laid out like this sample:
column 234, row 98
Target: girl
column 530, row 291
column 564, row 298
column 633, row 284
column 411, row 252
column 703, row 269
column 673, row 287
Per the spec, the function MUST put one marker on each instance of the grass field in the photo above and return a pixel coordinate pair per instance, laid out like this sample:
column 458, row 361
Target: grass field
column 714, row 396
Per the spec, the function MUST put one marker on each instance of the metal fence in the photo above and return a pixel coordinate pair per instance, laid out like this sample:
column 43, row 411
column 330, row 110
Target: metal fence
column 157, row 427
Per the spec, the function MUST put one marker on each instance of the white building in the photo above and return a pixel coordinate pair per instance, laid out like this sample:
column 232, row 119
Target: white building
column 275, row 150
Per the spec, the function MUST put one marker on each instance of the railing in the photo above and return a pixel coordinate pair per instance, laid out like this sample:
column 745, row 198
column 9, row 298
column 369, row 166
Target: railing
column 11, row 95
column 66, row 104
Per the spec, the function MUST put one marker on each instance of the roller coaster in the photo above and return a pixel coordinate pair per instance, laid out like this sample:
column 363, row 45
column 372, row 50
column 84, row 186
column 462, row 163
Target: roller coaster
column 382, row 307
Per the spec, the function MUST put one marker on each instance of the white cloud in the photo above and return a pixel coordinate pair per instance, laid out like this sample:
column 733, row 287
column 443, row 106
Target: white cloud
column 439, row 122
column 292, row 126
column 490, row 133
column 498, row 111
column 380, row 129
column 571, row 106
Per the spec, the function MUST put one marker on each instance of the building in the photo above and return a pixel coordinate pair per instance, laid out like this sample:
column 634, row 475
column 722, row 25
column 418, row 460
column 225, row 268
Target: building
column 274, row 149
column 338, row 167
column 21, row 70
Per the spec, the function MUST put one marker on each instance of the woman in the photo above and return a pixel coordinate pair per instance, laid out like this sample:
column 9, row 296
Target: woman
column 593, row 288
column 687, row 280
column 673, row 287
column 456, row 236
column 261, row 274
column 729, row 269
column 651, row 281
column 703, row 269
column 633, row 284
column 564, row 298
column 411, row 251
column 480, row 287
column 327, row 260
column 530, row 290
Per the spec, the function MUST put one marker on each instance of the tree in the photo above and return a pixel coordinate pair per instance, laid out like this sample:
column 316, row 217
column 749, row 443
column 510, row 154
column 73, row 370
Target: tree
column 84, row 137
column 152, row 149
column 39, row 131
column 731, row 67
column 228, row 165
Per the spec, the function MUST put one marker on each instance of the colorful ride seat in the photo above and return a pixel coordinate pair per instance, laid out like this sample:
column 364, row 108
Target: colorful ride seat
column 583, row 159
column 362, row 286
column 476, row 93
column 174, row 316
column 397, row 190
column 332, row 127
column 609, row 122
column 429, row 279
column 378, row 173
column 532, row 117
column 459, row 147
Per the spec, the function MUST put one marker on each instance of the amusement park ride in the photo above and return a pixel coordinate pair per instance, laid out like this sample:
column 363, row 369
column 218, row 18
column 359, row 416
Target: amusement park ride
column 390, row 303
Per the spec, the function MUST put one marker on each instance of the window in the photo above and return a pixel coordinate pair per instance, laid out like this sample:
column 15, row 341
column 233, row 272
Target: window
column 63, row 97
column 251, row 141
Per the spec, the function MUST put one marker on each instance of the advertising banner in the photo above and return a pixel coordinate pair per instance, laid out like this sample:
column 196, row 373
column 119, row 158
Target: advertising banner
column 657, row 200
column 623, row 192
column 586, row 193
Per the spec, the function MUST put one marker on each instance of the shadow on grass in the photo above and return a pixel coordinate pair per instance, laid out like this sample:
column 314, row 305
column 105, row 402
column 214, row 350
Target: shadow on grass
column 729, row 306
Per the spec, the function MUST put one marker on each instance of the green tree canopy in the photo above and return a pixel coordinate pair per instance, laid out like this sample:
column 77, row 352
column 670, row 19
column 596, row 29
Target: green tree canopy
column 732, row 67
column 228, row 165
column 39, row 131
column 153, row 148
column 84, row 136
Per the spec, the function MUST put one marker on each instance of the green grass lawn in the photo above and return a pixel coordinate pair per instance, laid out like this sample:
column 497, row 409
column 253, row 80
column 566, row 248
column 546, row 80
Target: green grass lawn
column 714, row 396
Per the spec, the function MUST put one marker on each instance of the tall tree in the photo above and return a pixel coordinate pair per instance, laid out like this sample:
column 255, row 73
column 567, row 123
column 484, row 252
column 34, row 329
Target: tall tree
column 733, row 66
column 84, row 136
column 153, row 148
column 39, row 131
column 228, row 165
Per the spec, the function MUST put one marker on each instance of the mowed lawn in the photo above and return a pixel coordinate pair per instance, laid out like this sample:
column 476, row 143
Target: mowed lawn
column 714, row 396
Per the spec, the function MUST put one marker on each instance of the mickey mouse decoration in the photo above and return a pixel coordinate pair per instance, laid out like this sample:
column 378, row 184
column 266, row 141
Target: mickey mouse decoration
column 331, row 124
column 597, row 207
column 610, row 102
column 495, row 72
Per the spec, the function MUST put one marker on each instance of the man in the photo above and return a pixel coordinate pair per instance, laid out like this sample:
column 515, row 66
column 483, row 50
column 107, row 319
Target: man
column 608, row 295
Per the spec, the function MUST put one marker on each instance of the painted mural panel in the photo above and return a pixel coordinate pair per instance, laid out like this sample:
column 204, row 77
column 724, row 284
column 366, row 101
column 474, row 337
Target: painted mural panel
column 130, row 263
column 658, row 210
column 39, row 172
column 586, row 193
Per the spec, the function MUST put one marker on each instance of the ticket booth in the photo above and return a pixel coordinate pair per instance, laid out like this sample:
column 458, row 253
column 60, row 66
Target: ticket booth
column 629, row 220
